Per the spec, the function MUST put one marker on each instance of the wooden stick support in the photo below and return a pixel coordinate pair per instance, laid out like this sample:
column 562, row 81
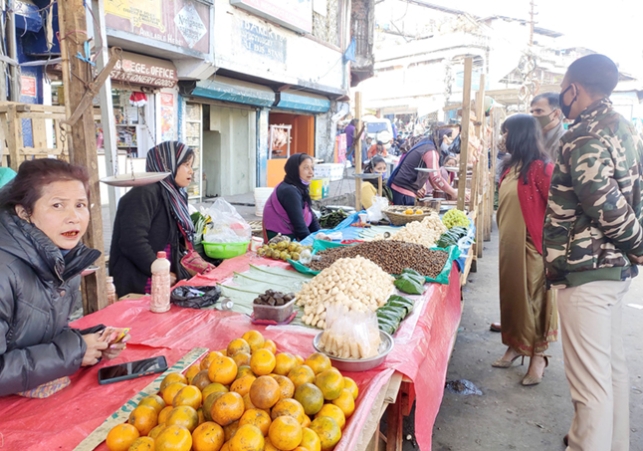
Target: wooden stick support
column 464, row 133
column 357, row 156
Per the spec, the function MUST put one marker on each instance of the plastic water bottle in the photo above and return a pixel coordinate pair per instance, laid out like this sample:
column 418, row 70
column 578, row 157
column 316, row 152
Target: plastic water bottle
column 161, row 284
column 111, row 291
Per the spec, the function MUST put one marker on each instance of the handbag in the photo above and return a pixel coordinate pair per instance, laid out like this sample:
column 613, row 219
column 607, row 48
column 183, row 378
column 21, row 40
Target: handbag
column 192, row 261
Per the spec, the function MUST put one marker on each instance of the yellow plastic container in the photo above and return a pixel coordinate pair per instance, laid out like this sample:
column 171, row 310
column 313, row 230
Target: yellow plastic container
column 316, row 187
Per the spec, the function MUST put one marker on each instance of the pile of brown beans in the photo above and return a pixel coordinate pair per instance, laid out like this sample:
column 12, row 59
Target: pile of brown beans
column 392, row 256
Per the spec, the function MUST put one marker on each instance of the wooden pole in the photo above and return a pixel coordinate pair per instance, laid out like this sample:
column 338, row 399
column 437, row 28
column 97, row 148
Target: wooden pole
column 358, row 152
column 77, row 74
column 481, row 170
column 464, row 139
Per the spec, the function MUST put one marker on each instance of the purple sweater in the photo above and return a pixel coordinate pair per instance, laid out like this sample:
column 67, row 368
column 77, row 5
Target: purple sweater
column 286, row 212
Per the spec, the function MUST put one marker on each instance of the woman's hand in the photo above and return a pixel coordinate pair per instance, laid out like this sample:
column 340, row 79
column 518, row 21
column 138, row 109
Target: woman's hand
column 95, row 347
column 115, row 345
column 172, row 279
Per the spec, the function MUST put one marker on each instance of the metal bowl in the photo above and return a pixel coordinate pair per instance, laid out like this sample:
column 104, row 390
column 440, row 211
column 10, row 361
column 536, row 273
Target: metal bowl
column 354, row 365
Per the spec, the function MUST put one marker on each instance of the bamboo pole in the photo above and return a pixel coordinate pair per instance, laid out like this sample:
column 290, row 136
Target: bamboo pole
column 358, row 152
column 464, row 147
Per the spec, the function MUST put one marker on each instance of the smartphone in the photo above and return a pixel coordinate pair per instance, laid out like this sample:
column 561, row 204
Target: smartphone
column 131, row 370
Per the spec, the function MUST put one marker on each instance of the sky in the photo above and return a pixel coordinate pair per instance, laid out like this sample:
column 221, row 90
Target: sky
column 614, row 27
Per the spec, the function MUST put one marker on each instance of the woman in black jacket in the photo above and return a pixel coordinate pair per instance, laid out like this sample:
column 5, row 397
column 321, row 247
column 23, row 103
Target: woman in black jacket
column 43, row 215
column 153, row 218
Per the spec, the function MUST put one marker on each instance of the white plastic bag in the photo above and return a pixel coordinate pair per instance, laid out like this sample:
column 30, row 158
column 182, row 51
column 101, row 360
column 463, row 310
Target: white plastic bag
column 375, row 211
column 227, row 225
column 350, row 334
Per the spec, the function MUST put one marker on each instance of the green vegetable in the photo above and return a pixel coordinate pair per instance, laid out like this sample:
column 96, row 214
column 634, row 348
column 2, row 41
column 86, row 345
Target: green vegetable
column 412, row 272
column 454, row 218
column 400, row 304
column 332, row 219
column 408, row 284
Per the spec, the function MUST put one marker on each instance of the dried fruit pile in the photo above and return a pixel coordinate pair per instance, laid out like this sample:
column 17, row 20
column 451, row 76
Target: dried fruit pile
column 392, row 256
column 243, row 398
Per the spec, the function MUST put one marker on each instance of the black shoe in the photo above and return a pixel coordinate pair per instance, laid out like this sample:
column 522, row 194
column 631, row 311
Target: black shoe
column 566, row 440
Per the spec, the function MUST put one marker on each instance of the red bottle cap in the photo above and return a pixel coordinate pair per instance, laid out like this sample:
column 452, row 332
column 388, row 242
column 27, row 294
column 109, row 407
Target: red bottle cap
column 161, row 254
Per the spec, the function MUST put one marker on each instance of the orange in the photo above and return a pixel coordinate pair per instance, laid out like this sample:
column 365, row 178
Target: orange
column 328, row 431
column 242, row 385
column 143, row 418
column 201, row 379
column 225, row 447
column 171, row 378
column 209, row 402
column 331, row 383
column 241, row 358
column 311, row 397
column 153, row 400
column 214, row 387
column 184, row 416
column 334, row 412
column 299, row 359
column 351, row 386
column 164, row 414
column 284, row 363
column 301, row 448
column 306, row 422
column 345, row 402
column 227, row 408
column 290, row 408
column 264, row 392
column 258, row 418
column 192, row 371
column 269, row 446
column 247, row 438
column 170, row 391
column 262, row 362
column 301, row 374
column 247, row 402
column 230, row 430
column 223, row 370
column 188, row 396
column 208, row 359
column 207, row 437
column 285, row 433
column 238, row 345
column 270, row 345
column 121, row 437
column 310, row 440
column 244, row 370
column 173, row 438
column 200, row 415
column 318, row 362
column 254, row 339
column 142, row 444
column 156, row 430
column 286, row 387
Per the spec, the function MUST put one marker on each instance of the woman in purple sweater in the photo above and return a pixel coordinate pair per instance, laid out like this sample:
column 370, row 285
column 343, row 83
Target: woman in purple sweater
column 289, row 207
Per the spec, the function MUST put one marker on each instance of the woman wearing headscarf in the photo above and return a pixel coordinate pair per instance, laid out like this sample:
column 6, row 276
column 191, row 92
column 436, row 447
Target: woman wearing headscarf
column 153, row 218
column 377, row 165
column 289, row 208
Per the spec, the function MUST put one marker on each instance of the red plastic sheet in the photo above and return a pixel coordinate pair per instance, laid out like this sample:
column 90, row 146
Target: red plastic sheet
column 65, row 419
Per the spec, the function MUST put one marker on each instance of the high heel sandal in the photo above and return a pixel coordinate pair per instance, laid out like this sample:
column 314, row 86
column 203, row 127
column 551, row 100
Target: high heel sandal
column 502, row 363
column 529, row 380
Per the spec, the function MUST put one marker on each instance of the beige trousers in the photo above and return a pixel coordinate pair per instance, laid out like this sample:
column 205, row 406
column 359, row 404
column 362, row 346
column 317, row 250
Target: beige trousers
column 592, row 336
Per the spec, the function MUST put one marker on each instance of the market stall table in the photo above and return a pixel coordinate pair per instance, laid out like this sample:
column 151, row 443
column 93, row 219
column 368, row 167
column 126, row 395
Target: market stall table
column 421, row 354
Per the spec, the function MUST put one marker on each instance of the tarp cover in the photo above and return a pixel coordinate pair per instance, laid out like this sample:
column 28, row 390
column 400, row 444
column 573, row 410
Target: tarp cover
column 422, row 347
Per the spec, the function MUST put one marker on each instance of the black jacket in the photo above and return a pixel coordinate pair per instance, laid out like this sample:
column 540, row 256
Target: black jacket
column 144, row 225
column 406, row 176
column 38, row 287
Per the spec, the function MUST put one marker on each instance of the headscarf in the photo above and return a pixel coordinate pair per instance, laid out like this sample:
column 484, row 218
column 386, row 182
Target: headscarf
column 167, row 157
column 292, row 176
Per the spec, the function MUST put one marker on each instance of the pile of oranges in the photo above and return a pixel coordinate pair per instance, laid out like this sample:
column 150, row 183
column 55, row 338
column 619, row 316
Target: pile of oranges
column 244, row 398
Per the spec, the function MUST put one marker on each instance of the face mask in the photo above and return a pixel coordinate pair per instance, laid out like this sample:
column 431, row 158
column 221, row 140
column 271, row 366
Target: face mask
column 566, row 109
column 305, row 182
column 545, row 120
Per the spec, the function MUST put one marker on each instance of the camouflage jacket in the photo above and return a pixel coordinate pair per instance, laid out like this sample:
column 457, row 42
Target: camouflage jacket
column 593, row 218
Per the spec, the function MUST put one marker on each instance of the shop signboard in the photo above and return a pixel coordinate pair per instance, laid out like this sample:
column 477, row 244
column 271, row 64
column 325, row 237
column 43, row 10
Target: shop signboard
column 28, row 86
column 181, row 23
column 144, row 70
column 294, row 14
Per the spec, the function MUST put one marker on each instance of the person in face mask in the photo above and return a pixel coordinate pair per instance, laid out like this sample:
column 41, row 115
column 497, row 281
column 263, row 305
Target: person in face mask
column 592, row 242
column 546, row 110
column 377, row 165
column 289, row 208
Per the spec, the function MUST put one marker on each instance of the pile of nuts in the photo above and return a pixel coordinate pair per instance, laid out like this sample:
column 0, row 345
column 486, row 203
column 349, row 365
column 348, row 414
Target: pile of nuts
column 392, row 256
column 426, row 233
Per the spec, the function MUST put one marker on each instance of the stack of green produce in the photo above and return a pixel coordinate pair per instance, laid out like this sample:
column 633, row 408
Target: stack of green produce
column 410, row 282
column 455, row 218
column 391, row 314
column 451, row 237
column 332, row 219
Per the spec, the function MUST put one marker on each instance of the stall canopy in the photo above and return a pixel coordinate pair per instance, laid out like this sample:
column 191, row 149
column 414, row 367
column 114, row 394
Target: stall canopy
column 303, row 101
column 237, row 91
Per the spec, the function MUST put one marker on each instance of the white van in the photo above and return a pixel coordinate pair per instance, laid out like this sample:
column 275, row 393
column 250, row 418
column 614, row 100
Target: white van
column 378, row 129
